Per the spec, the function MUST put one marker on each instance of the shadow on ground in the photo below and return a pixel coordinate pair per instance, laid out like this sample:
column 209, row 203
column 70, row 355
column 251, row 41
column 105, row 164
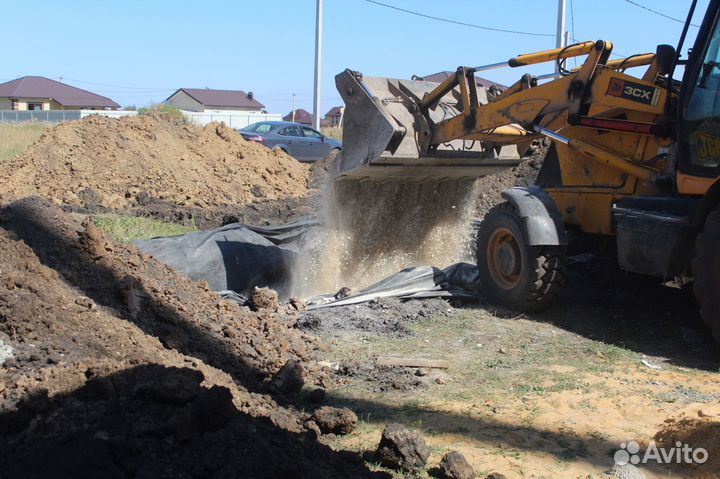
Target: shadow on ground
column 631, row 311
column 564, row 446
column 154, row 422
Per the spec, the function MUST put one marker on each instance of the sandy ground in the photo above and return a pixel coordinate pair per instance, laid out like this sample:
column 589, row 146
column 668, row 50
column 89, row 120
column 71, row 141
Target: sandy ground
column 551, row 395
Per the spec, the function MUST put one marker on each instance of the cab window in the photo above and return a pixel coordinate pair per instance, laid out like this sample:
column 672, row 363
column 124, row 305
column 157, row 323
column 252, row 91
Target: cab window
column 702, row 114
column 705, row 100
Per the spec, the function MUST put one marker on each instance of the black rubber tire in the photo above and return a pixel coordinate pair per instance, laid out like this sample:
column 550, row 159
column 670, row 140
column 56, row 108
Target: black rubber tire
column 706, row 269
column 542, row 270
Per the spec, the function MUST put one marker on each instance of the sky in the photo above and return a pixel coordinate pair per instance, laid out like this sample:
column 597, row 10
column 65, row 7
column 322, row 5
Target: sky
column 139, row 52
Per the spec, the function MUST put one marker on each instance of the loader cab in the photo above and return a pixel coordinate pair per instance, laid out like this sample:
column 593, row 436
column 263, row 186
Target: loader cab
column 699, row 109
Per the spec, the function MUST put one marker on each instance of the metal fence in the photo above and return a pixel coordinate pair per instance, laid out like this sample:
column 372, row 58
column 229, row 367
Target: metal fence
column 56, row 116
column 233, row 120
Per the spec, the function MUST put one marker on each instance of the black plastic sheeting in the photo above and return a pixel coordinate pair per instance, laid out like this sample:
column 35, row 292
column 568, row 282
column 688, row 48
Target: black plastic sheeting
column 236, row 258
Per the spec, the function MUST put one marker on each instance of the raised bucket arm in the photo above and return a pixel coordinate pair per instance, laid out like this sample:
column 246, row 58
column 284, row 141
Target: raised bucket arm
column 417, row 129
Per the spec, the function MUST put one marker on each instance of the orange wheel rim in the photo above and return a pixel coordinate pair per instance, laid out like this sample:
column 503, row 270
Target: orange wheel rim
column 503, row 257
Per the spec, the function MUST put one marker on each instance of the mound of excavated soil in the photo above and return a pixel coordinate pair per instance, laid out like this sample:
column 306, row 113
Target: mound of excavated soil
column 696, row 431
column 489, row 188
column 113, row 365
column 111, row 163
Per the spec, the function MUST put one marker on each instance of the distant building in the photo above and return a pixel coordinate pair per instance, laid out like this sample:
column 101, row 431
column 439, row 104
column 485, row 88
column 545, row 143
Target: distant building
column 40, row 93
column 301, row 116
column 235, row 108
column 334, row 116
column 440, row 77
column 211, row 101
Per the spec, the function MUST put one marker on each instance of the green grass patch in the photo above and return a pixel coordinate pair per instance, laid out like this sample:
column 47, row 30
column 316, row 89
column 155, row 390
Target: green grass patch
column 129, row 228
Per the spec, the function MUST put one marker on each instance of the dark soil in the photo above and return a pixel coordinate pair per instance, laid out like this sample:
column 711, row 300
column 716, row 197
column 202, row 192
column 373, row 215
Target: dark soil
column 489, row 188
column 382, row 378
column 120, row 367
column 258, row 213
column 153, row 421
column 386, row 316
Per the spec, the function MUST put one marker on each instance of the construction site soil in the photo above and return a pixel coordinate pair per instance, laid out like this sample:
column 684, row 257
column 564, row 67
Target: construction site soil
column 120, row 367
column 114, row 365
column 151, row 166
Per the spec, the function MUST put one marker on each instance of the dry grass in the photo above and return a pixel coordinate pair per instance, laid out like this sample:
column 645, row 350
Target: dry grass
column 332, row 132
column 16, row 137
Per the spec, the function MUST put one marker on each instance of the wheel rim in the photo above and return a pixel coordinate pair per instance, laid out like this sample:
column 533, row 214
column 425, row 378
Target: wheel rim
column 504, row 260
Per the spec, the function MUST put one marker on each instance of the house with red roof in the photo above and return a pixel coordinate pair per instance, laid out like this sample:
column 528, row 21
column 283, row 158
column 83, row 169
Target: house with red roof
column 334, row 116
column 301, row 116
column 40, row 93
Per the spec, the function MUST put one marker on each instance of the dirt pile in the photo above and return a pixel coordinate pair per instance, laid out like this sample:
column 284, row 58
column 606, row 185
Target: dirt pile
column 110, row 163
column 489, row 188
column 701, row 430
column 116, row 366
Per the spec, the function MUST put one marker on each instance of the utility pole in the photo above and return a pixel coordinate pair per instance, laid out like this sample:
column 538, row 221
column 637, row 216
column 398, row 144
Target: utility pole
column 560, row 38
column 318, row 63
column 293, row 109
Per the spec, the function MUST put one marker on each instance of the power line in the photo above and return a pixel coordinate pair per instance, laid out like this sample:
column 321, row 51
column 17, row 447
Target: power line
column 658, row 13
column 118, row 86
column 455, row 22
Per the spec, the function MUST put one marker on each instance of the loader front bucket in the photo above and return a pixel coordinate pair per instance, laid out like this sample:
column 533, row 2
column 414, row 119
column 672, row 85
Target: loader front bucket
column 386, row 135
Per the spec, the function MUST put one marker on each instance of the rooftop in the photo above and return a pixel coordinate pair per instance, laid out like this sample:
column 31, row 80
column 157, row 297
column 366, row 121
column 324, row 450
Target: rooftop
column 222, row 98
column 41, row 87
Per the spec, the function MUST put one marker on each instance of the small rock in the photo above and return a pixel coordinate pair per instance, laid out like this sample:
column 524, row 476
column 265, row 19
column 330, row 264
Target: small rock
column 439, row 380
column 343, row 292
column 54, row 358
column 402, row 448
column 86, row 302
column 264, row 299
column 6, row 352
column 289, row 378
column 454, row 466
column 297, row 304
column 495, row 475
column 335, row 420
column 626, row 471
column 502, row 351
column 329, row 365
column 422, row 372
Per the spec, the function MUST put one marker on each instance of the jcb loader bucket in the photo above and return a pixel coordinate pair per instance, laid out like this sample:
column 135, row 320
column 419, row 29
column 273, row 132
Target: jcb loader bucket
column 386, row 135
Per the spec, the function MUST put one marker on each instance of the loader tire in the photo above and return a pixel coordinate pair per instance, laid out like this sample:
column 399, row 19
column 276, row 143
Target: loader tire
column 514, row 274
column 706, row 269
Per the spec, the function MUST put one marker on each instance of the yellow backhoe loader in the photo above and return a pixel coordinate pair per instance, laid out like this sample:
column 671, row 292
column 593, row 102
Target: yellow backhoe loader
column 634, row 161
